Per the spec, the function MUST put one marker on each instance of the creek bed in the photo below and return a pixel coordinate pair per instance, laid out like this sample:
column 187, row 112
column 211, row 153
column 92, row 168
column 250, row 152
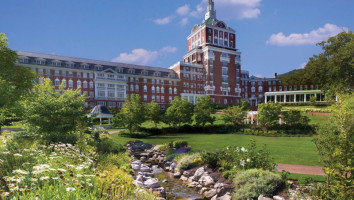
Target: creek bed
column 175, row 188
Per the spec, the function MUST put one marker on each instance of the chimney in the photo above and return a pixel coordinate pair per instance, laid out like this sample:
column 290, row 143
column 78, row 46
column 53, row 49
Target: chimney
column 276, row 75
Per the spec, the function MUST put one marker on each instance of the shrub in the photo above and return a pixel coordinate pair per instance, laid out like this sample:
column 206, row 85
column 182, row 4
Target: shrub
column 211, row 159
column 107, row 145
column 188, row 161
column 163, row 147
column 179, row 143
column 251, row 183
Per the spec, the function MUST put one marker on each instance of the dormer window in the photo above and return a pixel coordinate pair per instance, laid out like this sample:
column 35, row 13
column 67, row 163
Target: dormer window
column 23, row 60
column 131, row 71
column 99, row 68
column 70, row 65
column 157, row 74
column 40, row 62
column 119, row 70
column 85, row 66
column 144, row 73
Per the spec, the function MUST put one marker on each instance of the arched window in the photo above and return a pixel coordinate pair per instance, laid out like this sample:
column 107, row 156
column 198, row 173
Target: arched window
column 85, row 84
column 175, row 90
column 260, row 89
column 158, row 89
column 153, row 89
column 145, row 88
column 78, row 83
column 91, row 84
column 253, row 89
column 57, row 82
column 162, row 90
column 71, row 83
column 170, row 90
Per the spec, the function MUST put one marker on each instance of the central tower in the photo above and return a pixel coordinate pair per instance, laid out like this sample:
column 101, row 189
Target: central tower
column 211, row 13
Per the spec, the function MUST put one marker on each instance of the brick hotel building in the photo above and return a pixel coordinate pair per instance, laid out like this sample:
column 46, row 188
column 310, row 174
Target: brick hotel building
column 211, row 66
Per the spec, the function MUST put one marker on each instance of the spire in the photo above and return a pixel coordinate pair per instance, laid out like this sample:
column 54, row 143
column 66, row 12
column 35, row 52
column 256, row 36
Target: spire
column 211, row 13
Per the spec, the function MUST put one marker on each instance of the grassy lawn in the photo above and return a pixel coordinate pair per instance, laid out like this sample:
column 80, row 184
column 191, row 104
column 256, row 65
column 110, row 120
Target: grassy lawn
column 287, row 150
column 318, row 119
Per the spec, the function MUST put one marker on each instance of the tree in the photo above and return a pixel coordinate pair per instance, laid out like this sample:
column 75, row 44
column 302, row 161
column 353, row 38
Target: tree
column 179, row 112
column 268, row 114
column 55, row 115
column 234, row 115
column 15, row 80
column 313, row 100
column 154, row 113
column 203, row 111
column 333, row 68
column 245, row 105
column 295, row 119
column 132, row 114
column 335, row 145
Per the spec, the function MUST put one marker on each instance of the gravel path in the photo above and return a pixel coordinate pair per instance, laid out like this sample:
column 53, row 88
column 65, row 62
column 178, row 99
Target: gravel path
column 301, row 169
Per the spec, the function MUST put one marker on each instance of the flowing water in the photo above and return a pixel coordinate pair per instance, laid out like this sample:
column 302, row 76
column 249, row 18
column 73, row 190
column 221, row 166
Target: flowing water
column 175, row 188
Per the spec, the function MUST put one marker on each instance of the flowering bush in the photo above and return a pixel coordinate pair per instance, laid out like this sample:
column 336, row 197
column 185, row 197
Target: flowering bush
column 188, row 161
column 61, row 171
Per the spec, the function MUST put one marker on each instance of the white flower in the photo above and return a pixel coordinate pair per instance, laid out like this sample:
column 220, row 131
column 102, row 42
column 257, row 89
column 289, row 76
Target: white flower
column 44, row 178
column 1, row 161
column 18, row 155
column 79, row 175
column 237, row 149
column 70, row 189
column 55, row 178
column 61, row 170
column 248, row 160
column 5, row 152
column 20, row 171
column 244, row 150
column 5, row 194
column 242, row 163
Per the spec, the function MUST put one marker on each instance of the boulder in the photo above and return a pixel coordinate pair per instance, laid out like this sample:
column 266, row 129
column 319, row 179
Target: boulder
column 199, row 173
column 206, row 180
column 177, row 175
column 186, row 173
column 140, row 178
column 278, row 198
column 137, row 183
column 192, row 184
column 209, row 193
column 183, row 178
column 152, row 183
column 173, row 167
column 219, row 187
column 227, row 196
column 145, row 168
column 204, row 189
column 261, row 197
column 135, row 167
column 214, row 197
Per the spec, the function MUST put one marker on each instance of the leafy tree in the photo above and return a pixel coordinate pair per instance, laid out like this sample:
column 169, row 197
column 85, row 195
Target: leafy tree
column 132, row 114
column 313, row 100
column 55, row 115
column 268, row 114
column 15, row 80
column 245, row 105
column 154, row 113
column 294, row 117
column 203, row 111
column 234, row 115
column 179, row 112
column 335, row 145
column 333, row 68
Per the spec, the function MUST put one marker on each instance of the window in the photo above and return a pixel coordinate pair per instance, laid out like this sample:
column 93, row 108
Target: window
column 70, row 74
column 253, row 89
column 157, row 89
column 71, row 84
column 91, row 84
column 145, row 88
column 260, row 89
column 225, row 79
column 111, row 93
column 300, row 87
column 175, row 90
column 145, row 80
column 211, row 68
column 101, row 93
column 238, row 58
column 40, row 71
column 91, row 75
column 157, row 81
column 85, row 66
column 85, row 84
column 145, row 97
column 84, row 75
column 78, row 83
column 40, row 62
column 152, row 81
column 274, row 88
column 78, row 74
column 162, row 90
column 57, row 82
column 152, row 98
column 136, row 88
column 225, row 101
column 64, row 82
column 153, row 89
column 295, row 87
column 47, row 72
column 70, row 65
column 170, row 90
column 63, row 73
column 280, row 88
column 111, row 104
column 169, row 99
column 290, row 88
column 162, row 99
column 285, row 88
column 270, row 89
column 92, row 94
column 132, row 87
column 57, row 72
column 225, row 71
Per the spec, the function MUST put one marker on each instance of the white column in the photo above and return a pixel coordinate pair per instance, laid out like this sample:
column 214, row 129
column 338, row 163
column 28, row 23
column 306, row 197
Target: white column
column 304, row 97
column 252, row 118
column 284, row 98
column 266, row 99
column 294, row 98
column 100, row 121
column 275, row 98
column 109, row 121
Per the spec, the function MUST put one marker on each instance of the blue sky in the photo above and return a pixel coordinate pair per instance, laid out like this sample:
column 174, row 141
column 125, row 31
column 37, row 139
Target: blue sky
column 273, row 35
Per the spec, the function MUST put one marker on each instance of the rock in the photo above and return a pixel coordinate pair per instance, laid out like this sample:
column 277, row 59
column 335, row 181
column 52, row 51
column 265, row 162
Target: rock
column 206, row 180
column 261, row 197
column 173, row 166
column 219, row 187
column 140, row 178
column 204, row 189
column 177, row 175
column 192, row 184
column 199, row 173
column 186, row 173
column 142, row 158
column 164, row 181
column 183, row 178
column 137, row 183
column 137, row 162
column 210, row 193
column 152, row 183
column 278, row 198
column 145, row 168
column 199, row 187
column 136, row 167
column 227, row 196
column 214, row 197
column 160, row 191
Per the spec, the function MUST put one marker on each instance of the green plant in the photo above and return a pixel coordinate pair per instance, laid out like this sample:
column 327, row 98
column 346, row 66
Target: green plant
column 107, row 145
column 188, row 161
column 251, row 183
column 211, row 159
column 178, row 144
column 203, row 111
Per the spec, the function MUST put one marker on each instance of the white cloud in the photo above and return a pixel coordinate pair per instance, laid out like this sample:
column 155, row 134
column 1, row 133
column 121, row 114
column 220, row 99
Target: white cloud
column 237, row 9
column 259, row 75
column 200, row 10
column 313, row 37
column 143, row 56
column 302, row 66
column 184, row 21
column 164, row 21
column 183, row 10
